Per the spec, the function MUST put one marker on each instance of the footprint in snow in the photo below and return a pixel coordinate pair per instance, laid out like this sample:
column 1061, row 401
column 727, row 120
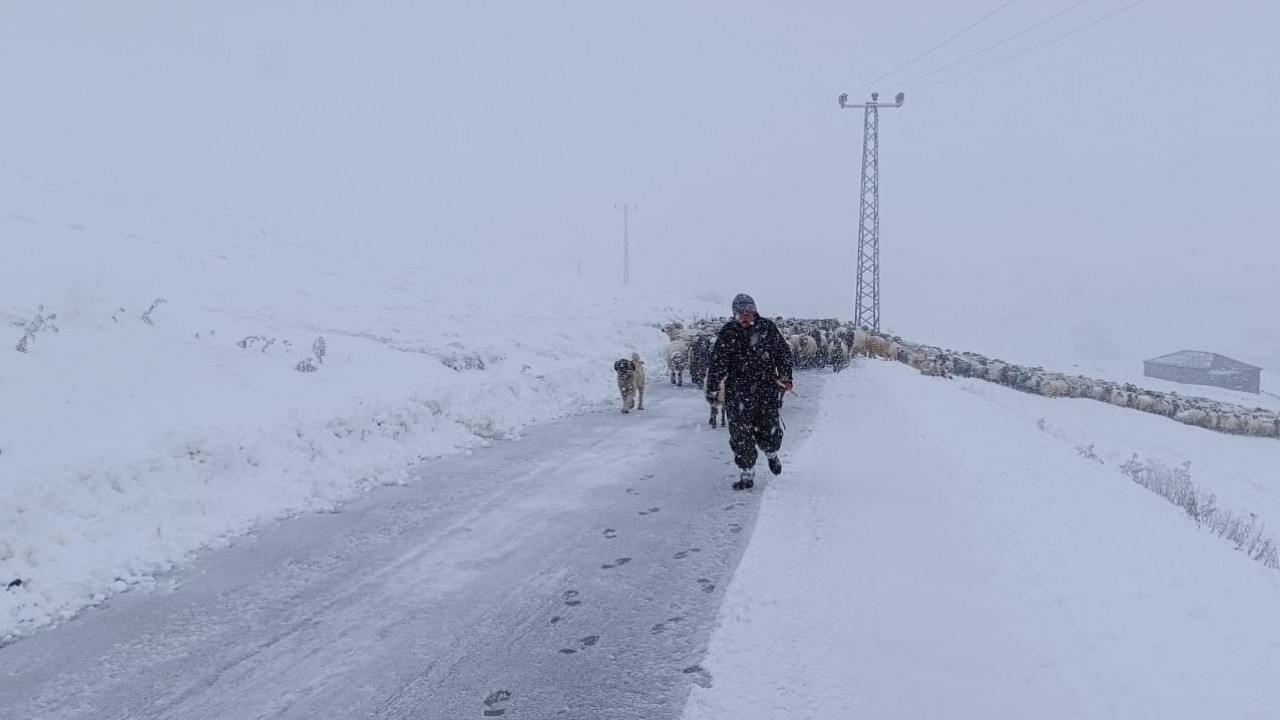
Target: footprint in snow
column 587, row 642
column 662, row 626
column 650, row 511
column 616, row 563
column 700, row 675
column 571, row 598
column 496, row 698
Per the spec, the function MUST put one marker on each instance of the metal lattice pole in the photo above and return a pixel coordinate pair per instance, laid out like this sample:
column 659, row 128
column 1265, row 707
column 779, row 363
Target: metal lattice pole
column 867, row 311
column 626, row 242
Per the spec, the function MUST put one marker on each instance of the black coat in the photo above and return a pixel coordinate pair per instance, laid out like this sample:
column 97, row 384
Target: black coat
column 753, row 359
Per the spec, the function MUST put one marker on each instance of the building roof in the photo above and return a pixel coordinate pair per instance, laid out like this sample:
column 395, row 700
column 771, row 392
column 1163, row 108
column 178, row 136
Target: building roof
column 1200, row 360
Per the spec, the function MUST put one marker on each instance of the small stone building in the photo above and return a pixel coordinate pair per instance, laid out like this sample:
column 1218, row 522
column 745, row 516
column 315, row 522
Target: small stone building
column 1196, row 367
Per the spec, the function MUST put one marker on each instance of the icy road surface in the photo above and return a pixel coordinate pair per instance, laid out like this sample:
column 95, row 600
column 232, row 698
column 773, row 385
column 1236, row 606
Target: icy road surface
column 573, row 573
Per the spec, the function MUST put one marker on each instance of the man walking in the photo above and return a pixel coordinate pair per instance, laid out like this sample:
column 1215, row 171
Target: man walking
column 753, row 358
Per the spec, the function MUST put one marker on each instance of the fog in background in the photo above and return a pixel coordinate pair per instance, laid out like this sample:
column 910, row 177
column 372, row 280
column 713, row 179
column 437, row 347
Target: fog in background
column 1111, row 184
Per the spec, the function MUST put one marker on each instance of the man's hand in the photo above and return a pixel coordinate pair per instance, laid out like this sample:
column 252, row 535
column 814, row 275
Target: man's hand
column 713, row 397
column 785, row 384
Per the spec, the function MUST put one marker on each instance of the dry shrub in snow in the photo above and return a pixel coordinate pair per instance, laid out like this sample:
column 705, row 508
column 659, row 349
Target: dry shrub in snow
column 146, row 316
column 40, row 323
column 1175, row 485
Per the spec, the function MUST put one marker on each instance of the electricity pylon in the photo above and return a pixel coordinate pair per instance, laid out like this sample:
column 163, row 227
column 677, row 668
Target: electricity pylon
column 868, row 291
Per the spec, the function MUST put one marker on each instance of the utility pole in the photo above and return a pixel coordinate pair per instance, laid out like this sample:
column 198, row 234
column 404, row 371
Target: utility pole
column 626, row 244
column 868, row 290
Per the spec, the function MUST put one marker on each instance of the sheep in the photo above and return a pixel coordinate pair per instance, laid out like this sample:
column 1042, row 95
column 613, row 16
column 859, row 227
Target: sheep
column 1122, row 398
column 925, row 363
column 630, row 381
column 965, row 366
column 677, row 354
column 1193, row 416
column 881, row 347
column 1145, row 402
column 1054, row 387
column 717, row 408
column 808, row 352
column 1262, row 426
column 838, row 355
column 862, row 343
column 638, row 377
column 700, row 358
column 1229, row 422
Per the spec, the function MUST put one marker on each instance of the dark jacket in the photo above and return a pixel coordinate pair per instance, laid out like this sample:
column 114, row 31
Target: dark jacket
column 753, row 358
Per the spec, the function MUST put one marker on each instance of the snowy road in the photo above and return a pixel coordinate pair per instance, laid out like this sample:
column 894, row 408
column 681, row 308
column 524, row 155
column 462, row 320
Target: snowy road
column 574, row 573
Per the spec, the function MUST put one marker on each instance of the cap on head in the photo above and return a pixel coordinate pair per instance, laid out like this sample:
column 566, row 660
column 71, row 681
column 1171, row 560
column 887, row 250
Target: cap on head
column 743, row 302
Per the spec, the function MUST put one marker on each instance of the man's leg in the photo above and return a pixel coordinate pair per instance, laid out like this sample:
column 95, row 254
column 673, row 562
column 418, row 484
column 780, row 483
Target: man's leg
column 743, row 442
column 742, row 439
column 768, row 435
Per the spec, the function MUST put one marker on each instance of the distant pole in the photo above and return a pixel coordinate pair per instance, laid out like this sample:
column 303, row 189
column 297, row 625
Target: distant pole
column 868, row 290
column 626, row 243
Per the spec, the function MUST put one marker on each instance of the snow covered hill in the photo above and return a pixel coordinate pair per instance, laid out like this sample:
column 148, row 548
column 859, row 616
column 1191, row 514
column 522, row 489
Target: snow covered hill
column 188, row 377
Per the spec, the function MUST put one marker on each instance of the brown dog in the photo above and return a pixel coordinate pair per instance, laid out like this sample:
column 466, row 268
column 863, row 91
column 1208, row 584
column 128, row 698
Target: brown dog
column 630, row 381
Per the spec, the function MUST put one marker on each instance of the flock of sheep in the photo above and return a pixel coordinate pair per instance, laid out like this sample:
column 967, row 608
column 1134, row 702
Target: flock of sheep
column 832, row 343
column 1200, row 412
column 814, row 344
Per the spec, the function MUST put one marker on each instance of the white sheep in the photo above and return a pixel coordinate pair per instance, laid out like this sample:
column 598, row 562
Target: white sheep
column 804, row 352
column 1055, row 387
column 1193, row 416
column 1229, row 422
column 677, row 355
column 858, row 347
column 1261, row 426
column 882, row 347
column 1145, row 402
column 717, row 407
column 638, row 378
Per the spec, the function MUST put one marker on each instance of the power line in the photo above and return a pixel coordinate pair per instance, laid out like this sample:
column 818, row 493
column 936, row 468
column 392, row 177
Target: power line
column 1020, row 53
column 928, row 52
column 993, row 46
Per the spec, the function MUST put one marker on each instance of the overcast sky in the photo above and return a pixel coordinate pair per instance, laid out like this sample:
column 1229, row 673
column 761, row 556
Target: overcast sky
column 1138, row 153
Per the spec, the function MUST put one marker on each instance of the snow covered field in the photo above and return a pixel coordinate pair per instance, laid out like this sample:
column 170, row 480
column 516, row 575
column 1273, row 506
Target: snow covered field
column 944, row 549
